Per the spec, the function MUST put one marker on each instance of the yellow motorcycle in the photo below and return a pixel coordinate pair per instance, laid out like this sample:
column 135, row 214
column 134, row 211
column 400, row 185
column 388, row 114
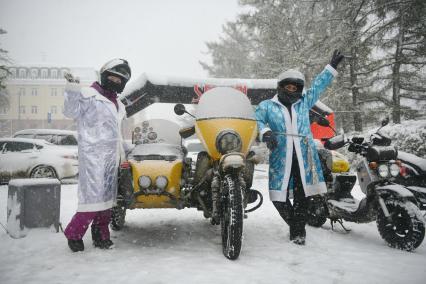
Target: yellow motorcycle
column 159, row 175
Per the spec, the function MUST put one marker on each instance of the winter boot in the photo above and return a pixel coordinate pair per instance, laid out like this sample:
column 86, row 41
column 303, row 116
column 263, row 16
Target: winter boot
column 299, row 234
column 104, row 244
column 76, row 245
column 97, row 239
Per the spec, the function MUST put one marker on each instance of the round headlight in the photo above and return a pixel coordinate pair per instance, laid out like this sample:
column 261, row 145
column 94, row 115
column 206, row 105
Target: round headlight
column 383, row 170
column 394, row 170
column 161, row 182
column 228, row 141
column 144, row 181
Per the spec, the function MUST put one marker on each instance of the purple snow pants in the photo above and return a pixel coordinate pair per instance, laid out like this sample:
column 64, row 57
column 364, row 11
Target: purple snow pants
column 81, row 221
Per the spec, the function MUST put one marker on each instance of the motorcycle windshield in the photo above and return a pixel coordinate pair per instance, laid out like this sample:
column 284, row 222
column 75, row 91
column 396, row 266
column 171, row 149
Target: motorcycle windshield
column 221, row 110
column 158, row 131
column 224, row 102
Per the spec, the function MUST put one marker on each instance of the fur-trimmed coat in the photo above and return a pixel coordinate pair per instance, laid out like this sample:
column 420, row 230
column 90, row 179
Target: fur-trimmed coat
column 272, row 115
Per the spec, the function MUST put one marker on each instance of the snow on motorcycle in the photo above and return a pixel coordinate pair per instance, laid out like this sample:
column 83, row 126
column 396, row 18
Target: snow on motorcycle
column 160, row 175
column 393, row 206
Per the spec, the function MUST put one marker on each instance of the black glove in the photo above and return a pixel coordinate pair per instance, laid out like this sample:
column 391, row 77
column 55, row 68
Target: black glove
column 336, row 58
column 270, row 139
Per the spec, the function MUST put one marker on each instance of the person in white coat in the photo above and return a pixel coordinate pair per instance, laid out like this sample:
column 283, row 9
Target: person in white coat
column 98, row 113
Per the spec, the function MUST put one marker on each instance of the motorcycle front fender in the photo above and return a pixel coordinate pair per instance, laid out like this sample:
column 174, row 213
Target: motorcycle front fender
column 232, row 161
column 396, row 191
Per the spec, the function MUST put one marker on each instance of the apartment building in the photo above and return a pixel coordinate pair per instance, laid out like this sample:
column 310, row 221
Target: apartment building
column 35, row 95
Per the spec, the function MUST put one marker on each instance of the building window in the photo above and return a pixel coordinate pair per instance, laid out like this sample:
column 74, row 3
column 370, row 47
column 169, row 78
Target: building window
column 22, row 73
column 22, row 109
column 54, row 73
column 21, row 92
column 4, row 110
column 63, row 71
column 34, row 92
column 44, row 73
column 34, row 73
column 53, row 92
column 33, row 109
column 53, row 109
column 12, row 73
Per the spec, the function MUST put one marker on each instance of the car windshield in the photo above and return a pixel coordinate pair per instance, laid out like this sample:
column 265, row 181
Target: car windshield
column 156, row 151
column 66, row 140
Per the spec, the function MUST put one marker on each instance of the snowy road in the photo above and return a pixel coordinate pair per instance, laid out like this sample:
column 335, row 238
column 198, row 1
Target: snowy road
column 171, row 246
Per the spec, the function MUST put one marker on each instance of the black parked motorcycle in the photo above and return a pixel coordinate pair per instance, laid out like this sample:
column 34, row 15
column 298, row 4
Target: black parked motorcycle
column 391, row 205
column 413, row 176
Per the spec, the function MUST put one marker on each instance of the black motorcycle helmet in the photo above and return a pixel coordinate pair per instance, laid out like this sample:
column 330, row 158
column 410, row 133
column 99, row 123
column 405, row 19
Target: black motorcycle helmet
column 290, row 86
column 116, row 67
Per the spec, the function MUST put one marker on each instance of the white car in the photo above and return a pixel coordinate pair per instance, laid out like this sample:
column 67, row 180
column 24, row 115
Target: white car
column 56, row 136
column 35, row 158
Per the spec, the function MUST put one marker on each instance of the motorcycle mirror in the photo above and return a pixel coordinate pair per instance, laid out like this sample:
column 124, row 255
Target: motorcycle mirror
column 179, row 109
column 323, row 121
column 335, row 142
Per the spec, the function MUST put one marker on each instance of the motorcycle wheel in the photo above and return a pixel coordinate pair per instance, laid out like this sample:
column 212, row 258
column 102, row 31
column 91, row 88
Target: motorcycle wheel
column 317, row 212
column 406, row 230
column 118, row 218
column 232, row 217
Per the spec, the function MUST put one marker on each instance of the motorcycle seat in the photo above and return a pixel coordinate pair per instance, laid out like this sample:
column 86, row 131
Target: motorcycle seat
column 419, row 164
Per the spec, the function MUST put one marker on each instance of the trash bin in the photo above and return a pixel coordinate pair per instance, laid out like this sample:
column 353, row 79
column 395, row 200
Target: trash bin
column 32, row 203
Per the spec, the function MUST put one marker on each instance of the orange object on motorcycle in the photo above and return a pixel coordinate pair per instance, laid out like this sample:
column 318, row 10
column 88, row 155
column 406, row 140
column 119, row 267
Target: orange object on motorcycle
column 372, row 165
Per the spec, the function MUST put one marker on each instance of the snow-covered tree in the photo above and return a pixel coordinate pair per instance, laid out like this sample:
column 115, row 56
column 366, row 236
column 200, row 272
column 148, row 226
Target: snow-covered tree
column 272, row 35
column 402, row 37
column 4, row 101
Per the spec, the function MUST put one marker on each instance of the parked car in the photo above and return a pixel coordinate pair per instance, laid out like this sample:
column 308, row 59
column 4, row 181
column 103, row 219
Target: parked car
column 35, row 158
column 55, row 136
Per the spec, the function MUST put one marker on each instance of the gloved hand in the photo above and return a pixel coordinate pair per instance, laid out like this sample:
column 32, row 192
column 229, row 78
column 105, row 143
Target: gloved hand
column 73, row 83
column 270, row 139
column 336, row 58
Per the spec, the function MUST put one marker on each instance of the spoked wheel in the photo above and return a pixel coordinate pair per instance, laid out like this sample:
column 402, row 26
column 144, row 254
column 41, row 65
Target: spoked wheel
column 118, row 218
column 232, row 217
column 317, row 211
column 405, row 230
column 43, row 172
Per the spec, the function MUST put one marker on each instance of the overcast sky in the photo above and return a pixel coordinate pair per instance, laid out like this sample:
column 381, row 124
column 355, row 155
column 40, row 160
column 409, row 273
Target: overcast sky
column 157, row 36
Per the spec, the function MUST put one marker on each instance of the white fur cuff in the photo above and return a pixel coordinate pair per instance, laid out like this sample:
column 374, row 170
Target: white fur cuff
column 263, row 131
column 331, row 69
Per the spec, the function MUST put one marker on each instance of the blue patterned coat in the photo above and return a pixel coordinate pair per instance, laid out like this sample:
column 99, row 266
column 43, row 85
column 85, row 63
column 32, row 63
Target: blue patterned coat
column 272, row 115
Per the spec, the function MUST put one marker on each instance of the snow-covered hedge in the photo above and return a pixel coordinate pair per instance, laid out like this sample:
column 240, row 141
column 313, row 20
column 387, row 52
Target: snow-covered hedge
column 409, row 136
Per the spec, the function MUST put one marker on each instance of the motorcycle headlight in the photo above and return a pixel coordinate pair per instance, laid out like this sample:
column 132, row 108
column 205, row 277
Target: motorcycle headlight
column 383, row 170
column 228, row 141
column 161, row 182
column 394, row 170
column 144, row 181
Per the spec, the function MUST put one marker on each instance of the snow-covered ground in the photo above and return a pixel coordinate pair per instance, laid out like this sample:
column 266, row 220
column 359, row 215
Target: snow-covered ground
column 171, row 246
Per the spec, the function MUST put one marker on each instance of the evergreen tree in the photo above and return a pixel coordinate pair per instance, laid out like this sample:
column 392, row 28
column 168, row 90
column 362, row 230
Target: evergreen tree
column 4, row 100
column 403, row 40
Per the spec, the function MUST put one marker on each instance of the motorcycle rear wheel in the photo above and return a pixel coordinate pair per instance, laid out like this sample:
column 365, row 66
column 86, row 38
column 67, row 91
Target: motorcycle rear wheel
column 406, row 231
column 317, row 212
column 232, row 217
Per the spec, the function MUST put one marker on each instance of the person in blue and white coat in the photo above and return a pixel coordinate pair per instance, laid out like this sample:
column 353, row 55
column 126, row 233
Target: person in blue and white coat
column 284, row 125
